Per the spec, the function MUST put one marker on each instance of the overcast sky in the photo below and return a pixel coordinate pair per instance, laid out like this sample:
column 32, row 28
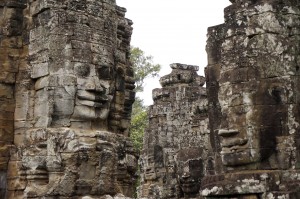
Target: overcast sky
column 172, row 31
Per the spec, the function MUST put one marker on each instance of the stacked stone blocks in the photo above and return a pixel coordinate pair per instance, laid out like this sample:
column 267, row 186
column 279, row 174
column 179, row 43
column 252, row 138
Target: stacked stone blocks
column 177, row 126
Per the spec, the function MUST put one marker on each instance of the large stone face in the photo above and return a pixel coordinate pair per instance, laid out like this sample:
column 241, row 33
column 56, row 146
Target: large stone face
column 253, row 94
column 175, row 143
column 66, row 90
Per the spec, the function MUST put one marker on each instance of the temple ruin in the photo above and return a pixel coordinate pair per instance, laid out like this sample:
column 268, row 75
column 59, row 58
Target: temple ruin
column 66, row 91
column 66, row 94
column 253, row 98
column 174, row 151
column 252, row 84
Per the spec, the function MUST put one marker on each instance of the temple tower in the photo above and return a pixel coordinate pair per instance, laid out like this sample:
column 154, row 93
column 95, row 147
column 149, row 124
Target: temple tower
column 253, row 98
column 66, row 91
column 174, row 154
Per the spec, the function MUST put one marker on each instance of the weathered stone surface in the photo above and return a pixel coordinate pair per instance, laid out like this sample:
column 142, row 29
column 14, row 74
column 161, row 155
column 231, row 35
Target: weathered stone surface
column 253, row 87
column 11, row 50
column 69, row 162
column 66, row 93
column 175, row 144
column 253, row 101
column 66, row 90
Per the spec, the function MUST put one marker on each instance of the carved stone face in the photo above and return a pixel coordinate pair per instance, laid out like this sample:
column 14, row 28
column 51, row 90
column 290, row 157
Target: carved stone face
column 74, row 100
column 77, row 162
column 34, row 167
column 189, row 170
column 150, row 173
column 252, row 119
column 93, row 96
column 190, row 175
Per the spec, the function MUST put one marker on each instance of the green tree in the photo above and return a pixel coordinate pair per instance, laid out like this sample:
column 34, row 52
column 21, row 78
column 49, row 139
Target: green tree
column 143, row 67
column 138, row 123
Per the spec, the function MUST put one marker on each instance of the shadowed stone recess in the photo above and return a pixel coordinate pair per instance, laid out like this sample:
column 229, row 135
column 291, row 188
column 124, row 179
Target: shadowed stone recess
column 174, row 154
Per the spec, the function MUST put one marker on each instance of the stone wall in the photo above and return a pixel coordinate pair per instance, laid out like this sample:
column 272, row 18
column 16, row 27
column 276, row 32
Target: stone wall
column 12, row 60
column 66, row 90
column 253, row 97
column 173, row 159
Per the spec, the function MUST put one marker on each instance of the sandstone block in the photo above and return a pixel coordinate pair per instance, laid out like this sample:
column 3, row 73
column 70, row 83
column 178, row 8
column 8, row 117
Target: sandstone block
column 40, row 70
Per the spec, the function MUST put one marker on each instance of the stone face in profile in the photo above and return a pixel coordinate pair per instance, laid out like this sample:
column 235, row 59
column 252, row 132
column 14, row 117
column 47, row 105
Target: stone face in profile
column 252, row 86
column 254, row 95
column 174, row 154
column 74, row 92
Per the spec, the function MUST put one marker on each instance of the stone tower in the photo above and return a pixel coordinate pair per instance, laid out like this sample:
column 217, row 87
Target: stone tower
column 174, row 152
column 253, row 96
column 66, row 90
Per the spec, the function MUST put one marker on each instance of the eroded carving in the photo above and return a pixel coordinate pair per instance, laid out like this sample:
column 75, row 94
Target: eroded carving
column 252, row 94
column 74, row 94
column 175, row 143
column 190, row 170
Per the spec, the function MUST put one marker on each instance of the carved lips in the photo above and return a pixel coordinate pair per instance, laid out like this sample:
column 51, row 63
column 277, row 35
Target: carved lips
column 231, row 144
column 189, row 184
column 91, row 98
column 92, row 104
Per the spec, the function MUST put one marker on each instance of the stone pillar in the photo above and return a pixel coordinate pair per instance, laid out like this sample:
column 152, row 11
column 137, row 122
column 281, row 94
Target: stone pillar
column 173, row 158
column 12, row 50
column 73, row 102
column 253, row 94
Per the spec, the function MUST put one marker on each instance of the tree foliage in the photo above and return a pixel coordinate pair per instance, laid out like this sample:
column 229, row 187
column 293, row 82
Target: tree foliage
column 139, row 122
column 143, row 67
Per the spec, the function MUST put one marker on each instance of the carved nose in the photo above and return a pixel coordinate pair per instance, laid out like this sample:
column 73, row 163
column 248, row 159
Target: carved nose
column 227, row 132
column 89, row 84
column 90, row 87
column 93, row 85
column 94, row 88
column 185, row 175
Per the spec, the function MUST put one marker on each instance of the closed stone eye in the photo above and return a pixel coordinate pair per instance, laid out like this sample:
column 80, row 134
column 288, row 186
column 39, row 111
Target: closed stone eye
column 104, row 72
column 82, row 70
